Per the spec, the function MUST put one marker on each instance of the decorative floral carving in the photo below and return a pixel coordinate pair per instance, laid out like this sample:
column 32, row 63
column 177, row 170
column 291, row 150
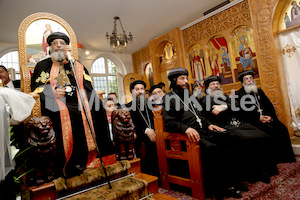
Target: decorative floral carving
column 263, row 37
column 226, row 19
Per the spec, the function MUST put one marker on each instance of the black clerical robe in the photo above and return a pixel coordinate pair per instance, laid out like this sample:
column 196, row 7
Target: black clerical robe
column 77, row 162
column 144, row 148
column 217, row 175
column 276, row 129
column 250, row 145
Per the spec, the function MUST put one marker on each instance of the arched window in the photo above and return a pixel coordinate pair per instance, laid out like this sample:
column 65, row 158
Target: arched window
column 11, row 61
column 106, row 74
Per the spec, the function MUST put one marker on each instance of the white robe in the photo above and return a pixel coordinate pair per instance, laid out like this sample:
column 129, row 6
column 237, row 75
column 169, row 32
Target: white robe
column 18, row 106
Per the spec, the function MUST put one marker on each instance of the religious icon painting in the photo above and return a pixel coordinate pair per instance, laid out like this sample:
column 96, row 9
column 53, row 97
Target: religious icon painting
column 148, row 71
column 290, row 15
column 219, row 61
column 168, row 53
column 197, row 64
column 37, row 33
column 244, row 50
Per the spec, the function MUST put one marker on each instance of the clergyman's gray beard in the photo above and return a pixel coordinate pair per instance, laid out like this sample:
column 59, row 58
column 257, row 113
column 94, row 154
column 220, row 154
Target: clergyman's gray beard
column 199, row 94
column 216, row 93
column 251, row 87
column 58, row 56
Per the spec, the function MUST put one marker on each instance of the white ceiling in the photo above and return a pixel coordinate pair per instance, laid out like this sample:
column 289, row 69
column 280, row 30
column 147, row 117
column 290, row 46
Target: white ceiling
column 91, row 19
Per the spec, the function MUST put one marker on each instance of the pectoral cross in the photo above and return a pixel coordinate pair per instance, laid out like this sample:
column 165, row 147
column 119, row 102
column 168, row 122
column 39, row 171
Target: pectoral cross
column 62, row 79
column 260, row 111
column 199, row 121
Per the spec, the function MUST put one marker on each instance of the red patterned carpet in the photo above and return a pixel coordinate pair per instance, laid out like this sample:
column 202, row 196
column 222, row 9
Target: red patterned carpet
column 285, row 186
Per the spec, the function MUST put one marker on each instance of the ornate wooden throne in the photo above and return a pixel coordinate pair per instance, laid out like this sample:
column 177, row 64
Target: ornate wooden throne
column 32, row 48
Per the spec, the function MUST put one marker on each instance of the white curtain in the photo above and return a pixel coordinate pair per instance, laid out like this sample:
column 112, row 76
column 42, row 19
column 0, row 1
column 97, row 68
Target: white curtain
column 290, row 51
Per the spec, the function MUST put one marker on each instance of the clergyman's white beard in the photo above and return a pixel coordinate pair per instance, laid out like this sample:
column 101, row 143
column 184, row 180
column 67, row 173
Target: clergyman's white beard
column 215, row 93
column 58, row 56
column 199, row 94
column 250, row 87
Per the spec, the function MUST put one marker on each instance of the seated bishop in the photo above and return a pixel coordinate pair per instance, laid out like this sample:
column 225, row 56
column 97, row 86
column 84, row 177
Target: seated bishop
column 263, row 116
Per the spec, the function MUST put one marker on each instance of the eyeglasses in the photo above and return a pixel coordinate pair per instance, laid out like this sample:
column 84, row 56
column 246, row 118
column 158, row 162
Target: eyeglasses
column 57, row 42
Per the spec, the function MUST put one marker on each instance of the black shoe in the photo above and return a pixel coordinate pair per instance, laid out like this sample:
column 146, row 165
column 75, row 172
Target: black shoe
column 233, row 192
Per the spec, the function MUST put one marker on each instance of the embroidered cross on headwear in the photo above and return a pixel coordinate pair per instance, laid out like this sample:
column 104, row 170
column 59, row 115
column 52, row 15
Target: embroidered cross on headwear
column 62, row 80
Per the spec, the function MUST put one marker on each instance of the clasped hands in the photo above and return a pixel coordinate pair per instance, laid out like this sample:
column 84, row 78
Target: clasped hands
column 194, row 136
column 218, row 108
column 265, row 119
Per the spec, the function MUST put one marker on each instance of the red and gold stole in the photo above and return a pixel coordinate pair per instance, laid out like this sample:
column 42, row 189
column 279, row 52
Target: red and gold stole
column 66, row 122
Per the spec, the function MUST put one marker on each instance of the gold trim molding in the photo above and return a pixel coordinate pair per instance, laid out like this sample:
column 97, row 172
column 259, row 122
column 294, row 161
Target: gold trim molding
column 262, row 14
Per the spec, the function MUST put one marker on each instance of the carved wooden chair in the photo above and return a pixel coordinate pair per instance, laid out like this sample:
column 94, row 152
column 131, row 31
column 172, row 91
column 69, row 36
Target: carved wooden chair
column 30, row 38
column 176, row 146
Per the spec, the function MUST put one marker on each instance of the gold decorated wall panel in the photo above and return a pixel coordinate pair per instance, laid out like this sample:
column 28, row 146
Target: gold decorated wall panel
column 140, row 59
column 166, row 52
column 262, row 12
column 231, row 17
column 258, row 15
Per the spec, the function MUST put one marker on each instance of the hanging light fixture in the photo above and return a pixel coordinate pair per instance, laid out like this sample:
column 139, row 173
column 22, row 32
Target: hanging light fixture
column 118, row 39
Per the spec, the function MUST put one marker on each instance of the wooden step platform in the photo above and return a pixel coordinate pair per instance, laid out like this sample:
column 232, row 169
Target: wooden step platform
column 151, row 180
column 47, row 191
column 135, row 166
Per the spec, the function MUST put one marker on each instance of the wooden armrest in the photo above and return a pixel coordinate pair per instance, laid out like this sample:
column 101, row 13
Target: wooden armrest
column 36, row 111
column 178, row 146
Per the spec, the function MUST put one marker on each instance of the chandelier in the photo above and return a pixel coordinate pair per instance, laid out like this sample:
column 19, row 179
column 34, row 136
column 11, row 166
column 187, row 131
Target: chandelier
column 118, row 39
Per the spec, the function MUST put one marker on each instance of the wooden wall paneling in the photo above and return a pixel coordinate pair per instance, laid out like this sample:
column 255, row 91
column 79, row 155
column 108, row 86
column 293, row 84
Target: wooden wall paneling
column 140, row 59
column 156, row 48
column 137, row 63
column 262, row 13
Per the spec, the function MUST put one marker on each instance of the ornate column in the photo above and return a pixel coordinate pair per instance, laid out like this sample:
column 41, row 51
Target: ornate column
column 262, row 13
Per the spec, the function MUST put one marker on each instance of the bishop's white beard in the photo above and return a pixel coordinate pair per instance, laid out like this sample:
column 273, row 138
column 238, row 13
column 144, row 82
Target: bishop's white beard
column 250, row 87
column 199, row 94
column 57, row 56
column 217, row 92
